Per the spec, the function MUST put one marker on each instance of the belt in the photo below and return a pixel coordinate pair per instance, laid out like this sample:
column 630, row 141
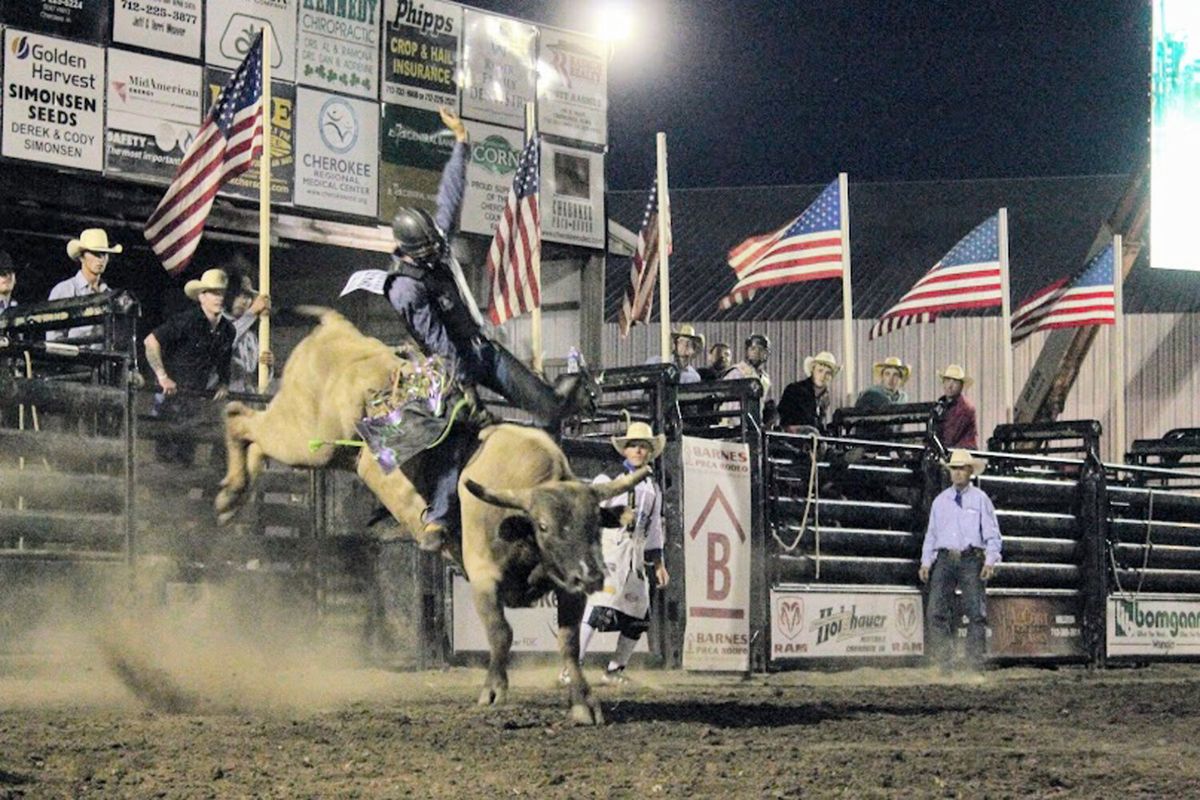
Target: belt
column 957, row 554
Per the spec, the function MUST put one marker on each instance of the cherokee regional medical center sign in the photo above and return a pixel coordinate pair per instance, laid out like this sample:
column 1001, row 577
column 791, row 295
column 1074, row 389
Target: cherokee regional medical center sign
column 716, row 553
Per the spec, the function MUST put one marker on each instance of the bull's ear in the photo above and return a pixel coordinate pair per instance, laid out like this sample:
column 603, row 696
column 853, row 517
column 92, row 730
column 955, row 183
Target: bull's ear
column 604, row 491
column 499, row 497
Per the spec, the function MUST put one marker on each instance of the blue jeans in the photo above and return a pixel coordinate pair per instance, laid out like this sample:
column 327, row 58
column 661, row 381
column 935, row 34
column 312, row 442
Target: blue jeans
column 950, row 571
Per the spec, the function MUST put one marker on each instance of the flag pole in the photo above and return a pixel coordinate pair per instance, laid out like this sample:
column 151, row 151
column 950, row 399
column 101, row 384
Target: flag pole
column 664, row 256
column 1118, row 355
column 264, row 211
column 535, row 332
column 1006, row 317
column 847, row 291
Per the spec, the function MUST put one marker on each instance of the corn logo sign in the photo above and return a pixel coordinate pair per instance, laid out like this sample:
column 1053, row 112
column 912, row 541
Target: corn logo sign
column 717, row 520
column 492, row 160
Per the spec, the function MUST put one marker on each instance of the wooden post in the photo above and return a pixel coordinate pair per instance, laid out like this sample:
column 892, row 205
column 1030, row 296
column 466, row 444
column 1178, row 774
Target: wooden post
column 535, row 331
column 1118, row 348
column 264, row 211
column 664, row 255
column 1006, row 318
column 847, row 291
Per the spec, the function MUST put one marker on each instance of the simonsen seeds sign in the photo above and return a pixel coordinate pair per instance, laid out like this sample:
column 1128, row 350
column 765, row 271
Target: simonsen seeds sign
column 53, row 101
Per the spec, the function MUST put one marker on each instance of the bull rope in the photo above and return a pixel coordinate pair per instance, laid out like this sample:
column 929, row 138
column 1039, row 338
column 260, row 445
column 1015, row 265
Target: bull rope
column 812, row 499
column 1146, row 545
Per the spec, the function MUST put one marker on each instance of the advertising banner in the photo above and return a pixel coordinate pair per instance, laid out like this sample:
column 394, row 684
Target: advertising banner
column 573, row 86
column 572, row 199
column 53, row 101
column 535, row 629
column 337, row 153
column 1148, row 626
column 493, row 161
column 846, row 625
column 283, row 141
column 716, row 554
column 339, row 46
column 497, row 69
column 231, row 27
column 420, row 60
column 1034, row 626
column 169, row 26
column 154, row 108
column 75, row 19
column 414, row 148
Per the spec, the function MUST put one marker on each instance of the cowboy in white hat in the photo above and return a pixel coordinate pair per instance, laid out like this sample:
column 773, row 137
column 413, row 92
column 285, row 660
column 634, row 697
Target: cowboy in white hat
column 191, row 352
column 961, row 551
column 955, row 416
column 805, row 403
column 624, row 603
column 685, row 343
column 890, row 375
column 92, row 251
column 245, row 309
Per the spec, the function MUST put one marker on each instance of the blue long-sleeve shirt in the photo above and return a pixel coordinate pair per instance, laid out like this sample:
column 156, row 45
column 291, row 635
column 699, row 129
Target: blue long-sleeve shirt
column 957, row 527
column 451, row 189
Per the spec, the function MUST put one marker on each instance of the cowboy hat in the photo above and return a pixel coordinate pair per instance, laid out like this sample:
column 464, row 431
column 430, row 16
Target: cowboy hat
column 896, row 363
column 955, row 372
column 963, row 458
column 824, row 357
column 641, row 432
column 93, row 240
column 211, row 280
column 688, row 331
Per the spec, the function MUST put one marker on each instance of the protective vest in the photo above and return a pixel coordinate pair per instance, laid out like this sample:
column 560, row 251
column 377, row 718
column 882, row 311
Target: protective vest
column 451, row 308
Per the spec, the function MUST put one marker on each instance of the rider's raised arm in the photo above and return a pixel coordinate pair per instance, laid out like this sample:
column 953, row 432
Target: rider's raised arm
column 454, row 176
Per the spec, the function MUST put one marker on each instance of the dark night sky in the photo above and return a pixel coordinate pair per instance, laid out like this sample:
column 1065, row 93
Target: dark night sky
column 793, row 91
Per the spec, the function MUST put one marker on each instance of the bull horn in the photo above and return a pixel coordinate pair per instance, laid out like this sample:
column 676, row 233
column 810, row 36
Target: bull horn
column 504, row 498
column 604, row 491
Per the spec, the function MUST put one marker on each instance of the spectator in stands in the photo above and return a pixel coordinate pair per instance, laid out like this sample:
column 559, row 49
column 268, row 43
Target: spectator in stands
column 624, row 603
column 685, row 343
column 244, row 312
column 954, row 415
column 190, row 352
column 805, row 404
column 961, row 551
column 758, row 350
column 720, row 359
column 890, row 375
column 8, row 281
column 92, row 251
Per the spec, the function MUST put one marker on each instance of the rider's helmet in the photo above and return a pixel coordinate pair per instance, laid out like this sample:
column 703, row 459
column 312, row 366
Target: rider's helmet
column 418, row 237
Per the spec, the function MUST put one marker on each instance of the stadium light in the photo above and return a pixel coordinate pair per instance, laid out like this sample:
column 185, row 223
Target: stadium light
column 613, row 20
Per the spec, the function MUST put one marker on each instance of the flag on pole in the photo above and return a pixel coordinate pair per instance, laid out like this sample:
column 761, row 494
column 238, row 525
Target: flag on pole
column 1074, row 302
column 966, row 277
column 225, row 146
column 808, row 248
column 516, row 250
column 643, row 267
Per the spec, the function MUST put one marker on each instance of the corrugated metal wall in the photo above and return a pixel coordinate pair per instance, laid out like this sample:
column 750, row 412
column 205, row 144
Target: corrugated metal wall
column 1163, row 381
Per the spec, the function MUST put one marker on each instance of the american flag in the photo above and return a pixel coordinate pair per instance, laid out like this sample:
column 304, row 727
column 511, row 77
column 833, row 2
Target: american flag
column 643, row 267
column 966, row 277
column 228, row 142
column 516, row 252
column 808, row 248
column 1073, row 302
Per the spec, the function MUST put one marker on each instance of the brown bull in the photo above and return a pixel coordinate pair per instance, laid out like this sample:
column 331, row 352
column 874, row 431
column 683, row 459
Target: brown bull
column 528, row 525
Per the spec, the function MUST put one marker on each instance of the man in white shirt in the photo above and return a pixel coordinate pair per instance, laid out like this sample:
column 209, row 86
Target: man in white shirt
column 92, row 251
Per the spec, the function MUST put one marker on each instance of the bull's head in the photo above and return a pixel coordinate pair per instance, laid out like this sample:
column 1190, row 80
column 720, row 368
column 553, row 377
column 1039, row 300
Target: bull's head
column 566, row 524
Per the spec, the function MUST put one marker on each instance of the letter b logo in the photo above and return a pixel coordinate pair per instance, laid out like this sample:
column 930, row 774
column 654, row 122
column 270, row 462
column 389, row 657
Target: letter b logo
column 720, row 580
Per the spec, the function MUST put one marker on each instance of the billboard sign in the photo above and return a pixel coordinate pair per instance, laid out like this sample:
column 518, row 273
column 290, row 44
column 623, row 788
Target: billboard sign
column 819, row 624
column 168, row 26
column 572, row 195
column 573, row 86
column 337, row 153
column 338, row 46
column 154, row 108
column 497, row 69
column 420, row 58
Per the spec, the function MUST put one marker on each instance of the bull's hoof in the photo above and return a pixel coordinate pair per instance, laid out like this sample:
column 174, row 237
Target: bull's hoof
column 586, row 713
column 493, row 697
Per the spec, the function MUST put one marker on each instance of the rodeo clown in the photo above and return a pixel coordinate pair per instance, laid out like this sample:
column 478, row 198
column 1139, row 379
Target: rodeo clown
column 624, row 602
column 427, row 288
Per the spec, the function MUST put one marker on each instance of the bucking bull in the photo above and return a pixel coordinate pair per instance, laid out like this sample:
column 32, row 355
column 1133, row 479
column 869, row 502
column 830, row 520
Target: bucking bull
column 529, row 526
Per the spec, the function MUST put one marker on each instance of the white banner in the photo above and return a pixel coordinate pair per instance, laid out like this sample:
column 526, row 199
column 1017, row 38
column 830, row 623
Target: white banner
column 492, row 162
column 861, row 624
column 232, row 25
column 420, row 57
column 1149, row 626
column 716, row 553
column 572, row 86
column 497, row 69
column 53, row 101
column 169, row 26
column 154, row 108
column 339, row 46
column 535, row 629
column 572, row 196
column 337, row 153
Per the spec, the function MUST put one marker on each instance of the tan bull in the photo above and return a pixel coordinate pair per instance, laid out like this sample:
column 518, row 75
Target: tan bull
column 528, row 525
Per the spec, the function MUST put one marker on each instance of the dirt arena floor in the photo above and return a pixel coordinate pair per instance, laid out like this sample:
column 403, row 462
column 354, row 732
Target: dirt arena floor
column 308, row 730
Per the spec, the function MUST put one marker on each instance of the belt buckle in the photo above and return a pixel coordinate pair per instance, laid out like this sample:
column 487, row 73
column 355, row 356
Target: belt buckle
column 952, row 556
